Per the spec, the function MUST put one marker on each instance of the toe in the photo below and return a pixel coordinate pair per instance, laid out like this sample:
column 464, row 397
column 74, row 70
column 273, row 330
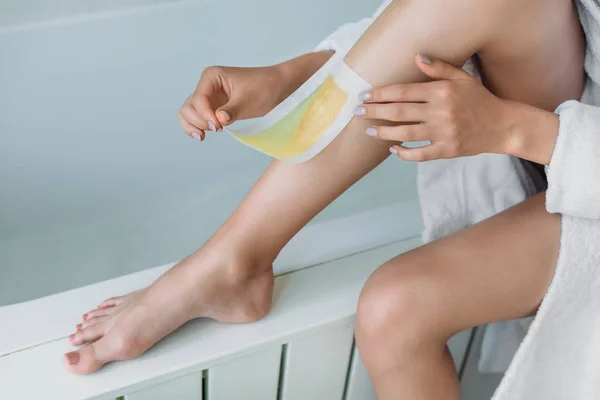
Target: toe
column 86, row 360
column 115, row 301
column 108, row 348
column 88, row 334
column 108, row 303
column 91, row 322
column 98, row 312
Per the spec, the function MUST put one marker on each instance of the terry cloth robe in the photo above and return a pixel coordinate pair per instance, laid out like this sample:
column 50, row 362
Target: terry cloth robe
column 558, row 351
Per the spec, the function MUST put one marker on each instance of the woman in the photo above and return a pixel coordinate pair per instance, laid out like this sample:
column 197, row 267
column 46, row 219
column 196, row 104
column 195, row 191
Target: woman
column 413, row 303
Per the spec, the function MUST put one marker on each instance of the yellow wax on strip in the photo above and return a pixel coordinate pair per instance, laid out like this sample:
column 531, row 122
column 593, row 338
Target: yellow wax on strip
column 310, row 118
column 303, row 127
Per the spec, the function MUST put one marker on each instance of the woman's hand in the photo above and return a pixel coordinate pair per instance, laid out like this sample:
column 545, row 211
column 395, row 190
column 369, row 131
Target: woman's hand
column 226, row 94
column 455, row 112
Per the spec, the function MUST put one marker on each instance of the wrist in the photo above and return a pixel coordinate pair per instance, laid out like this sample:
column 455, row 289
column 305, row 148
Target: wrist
column 513, row 117
column 531, row 132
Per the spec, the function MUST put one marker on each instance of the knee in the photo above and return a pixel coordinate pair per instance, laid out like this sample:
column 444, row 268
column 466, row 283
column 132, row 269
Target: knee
column 399, row 307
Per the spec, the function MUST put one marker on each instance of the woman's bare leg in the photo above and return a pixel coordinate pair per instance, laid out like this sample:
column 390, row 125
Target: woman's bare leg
column 496, row 270
column 515, row 42
column 230, row 278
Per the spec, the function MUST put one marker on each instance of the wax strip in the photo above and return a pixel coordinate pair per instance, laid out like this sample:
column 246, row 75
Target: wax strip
column 309, row 119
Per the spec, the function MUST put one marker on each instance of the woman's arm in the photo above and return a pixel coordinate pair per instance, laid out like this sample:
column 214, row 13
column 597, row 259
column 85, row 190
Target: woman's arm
column 221, row 95
column 460, row 117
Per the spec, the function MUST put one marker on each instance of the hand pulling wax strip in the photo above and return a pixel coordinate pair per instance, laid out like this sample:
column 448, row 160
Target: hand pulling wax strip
column 307, row 121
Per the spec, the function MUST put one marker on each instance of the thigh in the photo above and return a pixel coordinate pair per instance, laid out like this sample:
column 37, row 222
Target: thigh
column 535, row 53
column 496, row 270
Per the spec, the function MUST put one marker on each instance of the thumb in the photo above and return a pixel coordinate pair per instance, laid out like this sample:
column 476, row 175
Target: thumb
column 228, row 113
column 438, row 69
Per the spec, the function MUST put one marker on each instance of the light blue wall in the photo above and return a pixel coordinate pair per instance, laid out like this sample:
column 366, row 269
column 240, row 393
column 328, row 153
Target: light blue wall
column 96, row 177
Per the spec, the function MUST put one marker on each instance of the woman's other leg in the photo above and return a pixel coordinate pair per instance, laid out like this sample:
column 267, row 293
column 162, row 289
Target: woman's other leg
column 496, row 270
column 501, row 268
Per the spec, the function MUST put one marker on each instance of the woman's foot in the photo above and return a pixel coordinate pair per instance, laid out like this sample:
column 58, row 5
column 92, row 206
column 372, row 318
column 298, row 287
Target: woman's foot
column 122, row 328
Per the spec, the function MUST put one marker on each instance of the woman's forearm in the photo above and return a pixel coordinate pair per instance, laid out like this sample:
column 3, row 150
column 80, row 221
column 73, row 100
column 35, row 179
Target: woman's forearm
column 532, row 132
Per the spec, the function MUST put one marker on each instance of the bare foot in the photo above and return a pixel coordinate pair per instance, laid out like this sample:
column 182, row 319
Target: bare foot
column 125, row 327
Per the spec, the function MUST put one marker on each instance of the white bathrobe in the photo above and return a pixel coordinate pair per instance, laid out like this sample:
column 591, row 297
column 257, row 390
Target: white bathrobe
column 559, row 357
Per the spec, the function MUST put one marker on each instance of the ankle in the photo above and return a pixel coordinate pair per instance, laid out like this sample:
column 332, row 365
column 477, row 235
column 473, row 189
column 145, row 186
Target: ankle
column 243, row 285
column 255, row 298
column 239, row 258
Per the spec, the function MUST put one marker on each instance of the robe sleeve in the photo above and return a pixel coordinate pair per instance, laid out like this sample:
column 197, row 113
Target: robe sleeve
column 574, row 170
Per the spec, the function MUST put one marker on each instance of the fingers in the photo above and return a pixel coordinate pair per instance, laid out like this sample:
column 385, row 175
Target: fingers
column 192, row 117
column 417, row 92
column 197, row 116
column 203, row 109
column 438, row 69
column 409, row 133
column 433, row 151
column 229, row 112
column 403, row 133
column 191, row 130
column 419, row 154
column 210, row 88
column 401, row 92
column 224, row 116
column 394, row 112
column 428, row 95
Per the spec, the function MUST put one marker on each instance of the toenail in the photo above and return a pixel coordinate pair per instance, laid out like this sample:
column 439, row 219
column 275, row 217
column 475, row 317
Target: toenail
column 72, row 357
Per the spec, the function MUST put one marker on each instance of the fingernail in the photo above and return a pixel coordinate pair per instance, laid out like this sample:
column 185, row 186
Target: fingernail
column 360, row 111
column 365, row 96
column 372, row 132
column 71, row 337
column 78, row 326
column 225, row 115
column 72, row 357
column 393, row 150
column 196, row 136
column 84, row 316
column 425, row 59
column 211, row 126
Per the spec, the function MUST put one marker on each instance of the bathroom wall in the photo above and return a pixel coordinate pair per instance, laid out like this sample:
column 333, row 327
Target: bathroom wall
column 96, row 177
